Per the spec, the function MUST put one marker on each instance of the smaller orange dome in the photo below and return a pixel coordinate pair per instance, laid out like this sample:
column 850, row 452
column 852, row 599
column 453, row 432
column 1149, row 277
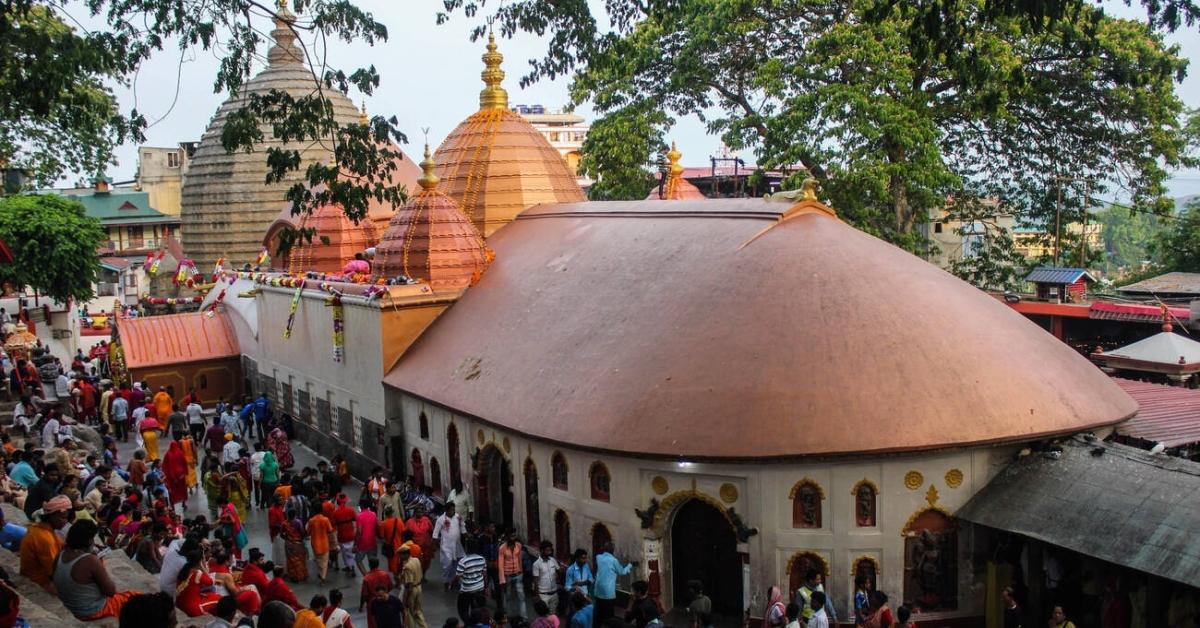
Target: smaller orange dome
column 676, row 188
column 334, row 242
column 432, row 240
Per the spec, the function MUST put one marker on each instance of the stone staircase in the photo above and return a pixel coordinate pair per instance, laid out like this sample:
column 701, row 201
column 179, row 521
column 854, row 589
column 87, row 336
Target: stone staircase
column 43, row 610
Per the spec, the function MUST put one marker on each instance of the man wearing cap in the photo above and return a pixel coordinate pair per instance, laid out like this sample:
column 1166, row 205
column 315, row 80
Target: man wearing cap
column 42, row 543
column 231, row 452
column 410, row 579
column 345, row 521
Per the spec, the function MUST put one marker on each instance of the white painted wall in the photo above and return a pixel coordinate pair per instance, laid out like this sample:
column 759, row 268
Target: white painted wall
column 762, row 501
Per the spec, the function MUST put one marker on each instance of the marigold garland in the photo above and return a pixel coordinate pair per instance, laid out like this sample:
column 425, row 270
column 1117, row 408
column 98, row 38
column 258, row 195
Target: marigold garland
column 287, row 331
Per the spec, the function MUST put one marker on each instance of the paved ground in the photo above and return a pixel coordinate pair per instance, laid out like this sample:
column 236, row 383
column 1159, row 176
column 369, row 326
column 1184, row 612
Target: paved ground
column 438, row 605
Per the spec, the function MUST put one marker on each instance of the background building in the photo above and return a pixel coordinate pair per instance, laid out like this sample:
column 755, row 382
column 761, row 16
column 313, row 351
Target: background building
column 565, row 131
column 160, row 174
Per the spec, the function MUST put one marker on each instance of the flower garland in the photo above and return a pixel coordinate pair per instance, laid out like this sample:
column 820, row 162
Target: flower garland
column 152, row 262
column 220, row 296
column 149, row 300
column 187, row 273
column 264, row 257
column 287, row 331
column 339, row 326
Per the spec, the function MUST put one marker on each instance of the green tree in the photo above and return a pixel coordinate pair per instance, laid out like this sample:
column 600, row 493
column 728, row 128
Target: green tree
column 619, row 149
column 57, row 115
column 1128, row 235
column 54, row 244
column 890, row 131
column 1179, row 246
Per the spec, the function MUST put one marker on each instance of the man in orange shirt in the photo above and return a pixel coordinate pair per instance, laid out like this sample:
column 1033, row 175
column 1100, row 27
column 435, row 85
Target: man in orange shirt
column 509, row 566
column 345, row 520
column 391, row 534
column 41, row 544
column 319, row 530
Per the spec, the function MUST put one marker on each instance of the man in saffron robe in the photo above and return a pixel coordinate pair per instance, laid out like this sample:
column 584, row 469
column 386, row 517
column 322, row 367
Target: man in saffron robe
column 163, row 405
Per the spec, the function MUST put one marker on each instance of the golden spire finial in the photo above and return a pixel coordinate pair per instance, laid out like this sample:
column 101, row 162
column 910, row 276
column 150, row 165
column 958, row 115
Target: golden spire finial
column 283, row 5
column 673, row 156
column 493, row 96
column 429, row 180
column 808, row 190
column 362, row 114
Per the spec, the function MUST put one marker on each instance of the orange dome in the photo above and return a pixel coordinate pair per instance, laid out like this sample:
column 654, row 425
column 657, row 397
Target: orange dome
column 496, row 165
column 432, row 240
column 676, row 188
column 334, row 242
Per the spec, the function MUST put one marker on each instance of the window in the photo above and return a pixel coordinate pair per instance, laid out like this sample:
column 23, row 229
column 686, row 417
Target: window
column 135, row 237
column 172, row 160
column 865, row 495
column 803, row 563
column 533, row 519
column 554, row 136
column 562, row 535
column 600, row 537
column 455, row 465
column 424, row 426
column 418, row 469
column 806, row 499
column 435, row 476
column 558, row 471
column 203, row 382
column 931, row 561
column 601, row 482
column 937, row 227
column 866, row 568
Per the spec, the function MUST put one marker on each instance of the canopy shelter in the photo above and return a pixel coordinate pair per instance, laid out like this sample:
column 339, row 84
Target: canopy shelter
column 1109, row 501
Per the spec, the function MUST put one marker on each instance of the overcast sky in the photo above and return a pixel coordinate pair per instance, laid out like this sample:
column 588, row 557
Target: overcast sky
column 430, row 78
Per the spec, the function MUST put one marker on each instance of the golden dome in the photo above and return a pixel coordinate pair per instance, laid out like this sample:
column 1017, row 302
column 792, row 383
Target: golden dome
column 432, row 240
column 676, row 188
column 226, row 206
column 495, row 164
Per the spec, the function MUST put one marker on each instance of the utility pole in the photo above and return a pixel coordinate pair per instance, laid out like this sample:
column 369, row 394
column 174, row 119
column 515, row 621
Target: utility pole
column 1087, row 196
column 1083, row 237
column 1057, row 219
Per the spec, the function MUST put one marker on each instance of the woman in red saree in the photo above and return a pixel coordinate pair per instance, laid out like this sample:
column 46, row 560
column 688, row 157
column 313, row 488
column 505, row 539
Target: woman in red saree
column 231, row 522
column 194, row 594
column 175, row 473
column 277, row 442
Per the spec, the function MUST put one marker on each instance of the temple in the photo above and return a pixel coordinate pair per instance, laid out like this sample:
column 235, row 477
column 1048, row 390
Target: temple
column 735, row 391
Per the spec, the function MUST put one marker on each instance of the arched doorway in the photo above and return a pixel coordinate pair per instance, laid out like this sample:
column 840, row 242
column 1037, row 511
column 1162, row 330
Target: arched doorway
column 600, row 537
column 494, row 491
column 562, row 535
column 533, row 516
column 931, row 561
column 704, row 548
column 452, row 449
column 418, row 468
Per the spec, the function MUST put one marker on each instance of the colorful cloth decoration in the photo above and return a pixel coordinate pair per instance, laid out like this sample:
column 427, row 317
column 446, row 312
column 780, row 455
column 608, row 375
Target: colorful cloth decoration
column 153, row 261
column 287, row 331
column 339, row 327
column 264, row 257
column 186, row 273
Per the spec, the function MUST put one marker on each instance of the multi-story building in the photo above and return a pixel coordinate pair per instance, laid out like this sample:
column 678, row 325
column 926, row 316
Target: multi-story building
column 955, row 240
column 564, row 130
column 160, row 174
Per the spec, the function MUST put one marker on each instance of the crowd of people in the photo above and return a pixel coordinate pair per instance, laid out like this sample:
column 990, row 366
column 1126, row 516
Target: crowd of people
column 85, row 506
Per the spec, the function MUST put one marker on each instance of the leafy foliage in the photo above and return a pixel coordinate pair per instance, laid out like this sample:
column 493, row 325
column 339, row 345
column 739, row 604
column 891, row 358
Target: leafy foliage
column 1129, row 235
column 891, row 128
column 57, row 115
column 1179, row 246
column 54, row 244
column 618, row 150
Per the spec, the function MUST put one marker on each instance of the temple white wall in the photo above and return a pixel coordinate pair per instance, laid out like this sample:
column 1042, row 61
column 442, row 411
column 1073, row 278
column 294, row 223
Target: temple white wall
column 759, row 495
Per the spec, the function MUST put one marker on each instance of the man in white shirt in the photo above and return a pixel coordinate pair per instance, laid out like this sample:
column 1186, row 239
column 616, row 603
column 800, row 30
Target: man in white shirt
column 50, row 432
column 195, row 416
column 545, row 576
column 447, row 531
column 173, row 562
column 819, row 619
column 256, row 459
column 231, row 452
column 62, row 386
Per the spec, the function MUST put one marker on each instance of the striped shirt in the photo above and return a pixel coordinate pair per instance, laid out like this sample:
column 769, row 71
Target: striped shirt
column 471, row 569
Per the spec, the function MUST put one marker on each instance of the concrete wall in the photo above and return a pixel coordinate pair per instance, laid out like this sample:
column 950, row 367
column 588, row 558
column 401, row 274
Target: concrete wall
column 337, row 407
column 759, row 495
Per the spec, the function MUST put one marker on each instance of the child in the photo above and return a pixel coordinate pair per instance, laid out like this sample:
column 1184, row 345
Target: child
column 138, row 469
column 70, row 488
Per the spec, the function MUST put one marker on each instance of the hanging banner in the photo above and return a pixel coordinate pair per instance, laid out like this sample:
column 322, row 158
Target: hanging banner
column 287, row 331
column 339, row 327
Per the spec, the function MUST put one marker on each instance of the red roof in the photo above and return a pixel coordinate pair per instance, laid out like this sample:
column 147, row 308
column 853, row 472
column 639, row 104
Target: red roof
column 1167, row 414
column 1134, row 312
column 175, row 338
column 741, row 329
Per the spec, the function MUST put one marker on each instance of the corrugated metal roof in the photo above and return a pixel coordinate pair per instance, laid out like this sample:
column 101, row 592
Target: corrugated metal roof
column 1106, row 500
column 1167, row 414
column 175, row 338
column 1133, row 312
column 1169, row 283
column 1051, row 274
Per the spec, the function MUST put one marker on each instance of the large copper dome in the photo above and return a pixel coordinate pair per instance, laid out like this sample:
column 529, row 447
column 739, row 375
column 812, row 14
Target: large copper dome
column 496, row 165
column 226, row 204
column 742, row 329
column 432, row 240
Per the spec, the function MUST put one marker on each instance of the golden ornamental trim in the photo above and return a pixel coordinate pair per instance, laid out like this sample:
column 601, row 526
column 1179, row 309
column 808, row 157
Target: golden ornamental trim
column 854, row 566
column 954, row 478
column 931, row 495
column 806, row 480
column 791, row 564
column 672, row 502
column 659, row 485
column 907, row 529
column 859, row 484
column 913, row 480
column 728, row 493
